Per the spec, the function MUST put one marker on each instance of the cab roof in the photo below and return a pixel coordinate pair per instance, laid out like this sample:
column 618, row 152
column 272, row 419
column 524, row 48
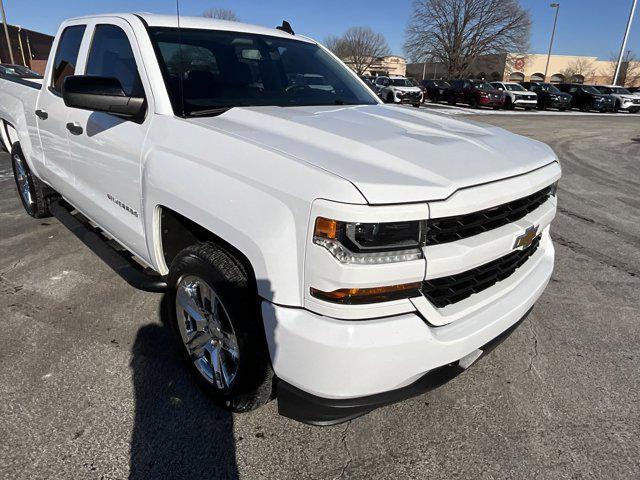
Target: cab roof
column 171, row 21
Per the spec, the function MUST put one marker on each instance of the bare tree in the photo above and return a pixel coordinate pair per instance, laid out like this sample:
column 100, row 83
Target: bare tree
column 359, row 47
column 458, row 32
column 629, row 69
column 581, row 67
column 221, row 14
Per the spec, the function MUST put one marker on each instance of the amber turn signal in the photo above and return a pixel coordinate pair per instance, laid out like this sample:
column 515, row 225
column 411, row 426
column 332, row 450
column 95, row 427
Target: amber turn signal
column 326, row 228
column 359, row 296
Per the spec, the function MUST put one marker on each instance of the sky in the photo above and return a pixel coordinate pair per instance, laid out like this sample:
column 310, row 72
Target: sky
column 585, row 27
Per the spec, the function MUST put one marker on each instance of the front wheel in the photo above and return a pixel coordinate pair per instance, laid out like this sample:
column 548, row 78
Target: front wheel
column 390, row 98
column 215, row 314
column 32, row 192
column 416, row 105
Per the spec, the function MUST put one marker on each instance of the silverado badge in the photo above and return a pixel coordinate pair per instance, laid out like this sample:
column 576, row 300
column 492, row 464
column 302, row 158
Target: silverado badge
column 526, row 239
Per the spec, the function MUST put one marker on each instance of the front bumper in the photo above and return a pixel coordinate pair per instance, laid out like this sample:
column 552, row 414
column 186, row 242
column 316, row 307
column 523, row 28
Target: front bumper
column 410, row 98
column 491, row 102
column 343, row 362
column 525, row 102
column 311, row 409
column 630, row 106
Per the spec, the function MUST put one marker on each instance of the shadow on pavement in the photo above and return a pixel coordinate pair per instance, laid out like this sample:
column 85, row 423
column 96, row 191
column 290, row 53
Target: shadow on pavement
column 178, row 432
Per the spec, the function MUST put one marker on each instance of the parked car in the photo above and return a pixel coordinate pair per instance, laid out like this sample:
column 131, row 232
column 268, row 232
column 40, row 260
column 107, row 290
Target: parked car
column 549, row 96
column 625, row 100
column 516, row 95
column 435, row 90
column 291, row 232
column 398, row 89
column 475, row 93
column 588, row 97
column 18, row 71
column 368, row 83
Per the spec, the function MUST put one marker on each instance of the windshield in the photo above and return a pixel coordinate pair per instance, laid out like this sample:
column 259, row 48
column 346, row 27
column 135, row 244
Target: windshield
column 514, row 87
column 547, row 87
column 484, row 86
column 619, row 91
column 400, row 82
column 217, row 70
column 591, row 90
column 441, row 84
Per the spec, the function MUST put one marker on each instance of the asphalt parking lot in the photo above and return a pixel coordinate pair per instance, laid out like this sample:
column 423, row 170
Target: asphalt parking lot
column 91, row 387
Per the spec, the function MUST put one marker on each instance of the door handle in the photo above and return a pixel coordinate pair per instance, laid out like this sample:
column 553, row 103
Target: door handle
column 42, row 114
column 75, row 128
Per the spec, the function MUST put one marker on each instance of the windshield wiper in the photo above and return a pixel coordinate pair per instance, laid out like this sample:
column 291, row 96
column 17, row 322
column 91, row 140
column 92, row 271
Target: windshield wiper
column 210, row 111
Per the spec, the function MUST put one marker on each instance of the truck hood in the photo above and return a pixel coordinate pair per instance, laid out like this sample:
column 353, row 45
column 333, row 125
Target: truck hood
column 391, row 154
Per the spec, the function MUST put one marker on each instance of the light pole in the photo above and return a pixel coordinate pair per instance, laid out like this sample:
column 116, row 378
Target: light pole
column 553, row 34
column 6, row 32
column 624, row 42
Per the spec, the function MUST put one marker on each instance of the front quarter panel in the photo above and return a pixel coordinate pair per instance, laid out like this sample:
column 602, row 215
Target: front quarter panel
column 256, row 199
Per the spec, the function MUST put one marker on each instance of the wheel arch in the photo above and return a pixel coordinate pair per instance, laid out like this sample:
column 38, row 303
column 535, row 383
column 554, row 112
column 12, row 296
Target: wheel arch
column 175, row 232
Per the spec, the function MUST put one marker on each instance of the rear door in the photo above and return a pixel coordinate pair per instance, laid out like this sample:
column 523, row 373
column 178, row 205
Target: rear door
column 51, row 112
column 106, row 149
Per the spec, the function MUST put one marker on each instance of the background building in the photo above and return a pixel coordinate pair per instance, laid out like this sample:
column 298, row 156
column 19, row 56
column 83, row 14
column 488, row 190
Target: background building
column 29, row 48
column 389, row 65
column 531, row 67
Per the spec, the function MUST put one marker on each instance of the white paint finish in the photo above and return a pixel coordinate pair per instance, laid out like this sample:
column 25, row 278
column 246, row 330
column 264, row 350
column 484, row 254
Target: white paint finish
column 258, row 177
column 347, row 359
column 109, row 151
column 393, row 155
column 481, row 197
column 256, row 198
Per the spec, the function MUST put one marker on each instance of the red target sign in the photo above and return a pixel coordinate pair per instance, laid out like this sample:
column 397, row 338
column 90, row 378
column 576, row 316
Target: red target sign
column 519, row 64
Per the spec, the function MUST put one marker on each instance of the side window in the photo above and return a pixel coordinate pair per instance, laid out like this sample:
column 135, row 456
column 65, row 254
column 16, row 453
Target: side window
column 64, row 63
column 111, row 56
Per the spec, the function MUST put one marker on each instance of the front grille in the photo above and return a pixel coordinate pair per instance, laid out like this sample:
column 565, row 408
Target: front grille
column 448, row 290
column 450, row 229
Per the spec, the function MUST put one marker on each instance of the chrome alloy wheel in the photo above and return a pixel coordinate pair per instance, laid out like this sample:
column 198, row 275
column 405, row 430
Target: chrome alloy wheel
column 206, row 331
column 22, row 178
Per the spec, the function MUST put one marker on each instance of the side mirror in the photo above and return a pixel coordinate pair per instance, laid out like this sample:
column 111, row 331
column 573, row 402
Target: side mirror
column 101, row 94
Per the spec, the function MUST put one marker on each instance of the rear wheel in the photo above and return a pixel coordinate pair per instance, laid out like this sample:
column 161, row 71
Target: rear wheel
column 32, row 192
column 215, row 315
column 390, row 98
column 473, row 103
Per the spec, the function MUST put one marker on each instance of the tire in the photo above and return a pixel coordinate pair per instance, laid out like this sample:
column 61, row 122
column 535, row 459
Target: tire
column 416, row 105
column 473, row 103
column 216, row 270
column 32, row 192
column 389, row 98
column 508, row 104
column 527, row 109
column 617, row 107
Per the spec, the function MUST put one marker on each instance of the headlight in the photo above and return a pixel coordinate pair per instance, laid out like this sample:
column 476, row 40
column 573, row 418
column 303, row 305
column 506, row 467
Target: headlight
column 371, row 243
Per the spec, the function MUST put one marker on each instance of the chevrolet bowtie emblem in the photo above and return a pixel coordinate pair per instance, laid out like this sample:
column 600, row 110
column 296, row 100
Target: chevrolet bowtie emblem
column 526, row 239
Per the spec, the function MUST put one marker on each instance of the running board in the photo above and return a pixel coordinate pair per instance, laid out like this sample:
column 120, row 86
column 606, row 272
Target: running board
column 122, row 262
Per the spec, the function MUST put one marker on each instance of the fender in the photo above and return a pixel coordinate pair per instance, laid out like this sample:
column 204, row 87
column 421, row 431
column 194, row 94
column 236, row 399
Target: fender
column 255, row 199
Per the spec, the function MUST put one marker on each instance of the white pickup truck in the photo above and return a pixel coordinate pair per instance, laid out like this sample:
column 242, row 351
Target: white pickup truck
column 314, row 244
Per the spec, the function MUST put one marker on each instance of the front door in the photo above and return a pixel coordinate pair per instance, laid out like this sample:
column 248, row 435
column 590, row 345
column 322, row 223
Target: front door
column 106, row 149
